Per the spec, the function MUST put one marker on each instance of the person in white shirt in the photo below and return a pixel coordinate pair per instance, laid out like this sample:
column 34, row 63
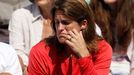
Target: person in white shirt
column 9, row 62
column 28, row 26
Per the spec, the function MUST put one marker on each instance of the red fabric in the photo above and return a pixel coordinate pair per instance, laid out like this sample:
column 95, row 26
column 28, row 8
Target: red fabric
column 44, row 60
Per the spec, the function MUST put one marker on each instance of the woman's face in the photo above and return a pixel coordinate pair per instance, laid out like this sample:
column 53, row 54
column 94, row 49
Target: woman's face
column 64, row 24
column 110, row 1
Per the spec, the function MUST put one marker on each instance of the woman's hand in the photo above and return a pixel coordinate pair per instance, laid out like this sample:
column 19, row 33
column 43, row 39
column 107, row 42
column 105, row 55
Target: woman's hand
column 77, row 43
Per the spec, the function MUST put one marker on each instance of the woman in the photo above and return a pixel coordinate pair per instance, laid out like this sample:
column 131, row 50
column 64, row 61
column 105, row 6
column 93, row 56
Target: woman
column 115, row 18
column 75, row 49
column 29, row 25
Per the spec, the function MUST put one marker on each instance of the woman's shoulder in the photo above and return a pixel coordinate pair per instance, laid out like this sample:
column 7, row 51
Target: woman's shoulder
column 39, row 45
column 104, row 45
column 102, row 42
column 41, row 48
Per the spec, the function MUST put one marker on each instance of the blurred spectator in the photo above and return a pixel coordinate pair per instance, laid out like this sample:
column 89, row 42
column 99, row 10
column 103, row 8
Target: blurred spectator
column 29, row 25
column 9, row 62
column 116, row 20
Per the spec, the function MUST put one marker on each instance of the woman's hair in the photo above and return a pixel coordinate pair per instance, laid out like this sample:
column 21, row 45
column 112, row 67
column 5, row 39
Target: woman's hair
column 78, row 10
column 116, row 25
column 31, row 1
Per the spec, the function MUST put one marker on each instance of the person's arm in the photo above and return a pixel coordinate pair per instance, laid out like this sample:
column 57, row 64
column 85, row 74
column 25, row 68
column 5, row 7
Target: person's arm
column 98, row 65
column 132, row 71
column 23, row 66
column 110, row 74
column 132, row 65
column 132, row 62
column 131, row 49
column 4, row 73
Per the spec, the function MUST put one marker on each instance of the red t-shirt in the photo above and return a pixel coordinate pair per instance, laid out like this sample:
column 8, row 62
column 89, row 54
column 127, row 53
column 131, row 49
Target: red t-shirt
column 45, row 60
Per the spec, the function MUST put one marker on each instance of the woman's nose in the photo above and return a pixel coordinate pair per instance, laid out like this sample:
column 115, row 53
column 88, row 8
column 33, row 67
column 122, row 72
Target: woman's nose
column 61, row 26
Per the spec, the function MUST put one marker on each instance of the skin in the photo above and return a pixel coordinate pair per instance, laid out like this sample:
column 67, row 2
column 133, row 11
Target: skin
column 69, row 32
column 110, row 74
column 110, row 1
column 45, row 7
column 44, row 2
column 5, row 73
column 111, row 4
column 132, row 71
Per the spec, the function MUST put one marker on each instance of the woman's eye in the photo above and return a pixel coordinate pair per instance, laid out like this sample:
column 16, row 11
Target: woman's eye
column 65, row 22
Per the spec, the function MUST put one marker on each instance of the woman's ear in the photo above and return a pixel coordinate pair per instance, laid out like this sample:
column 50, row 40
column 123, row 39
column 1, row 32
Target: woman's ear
column 84, row 24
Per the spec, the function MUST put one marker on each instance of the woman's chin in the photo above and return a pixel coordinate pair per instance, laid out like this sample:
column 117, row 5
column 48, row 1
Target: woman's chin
column 62, row 40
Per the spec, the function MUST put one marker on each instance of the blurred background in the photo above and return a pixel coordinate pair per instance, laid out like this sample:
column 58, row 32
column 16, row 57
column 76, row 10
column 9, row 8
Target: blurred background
column 6, row 9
